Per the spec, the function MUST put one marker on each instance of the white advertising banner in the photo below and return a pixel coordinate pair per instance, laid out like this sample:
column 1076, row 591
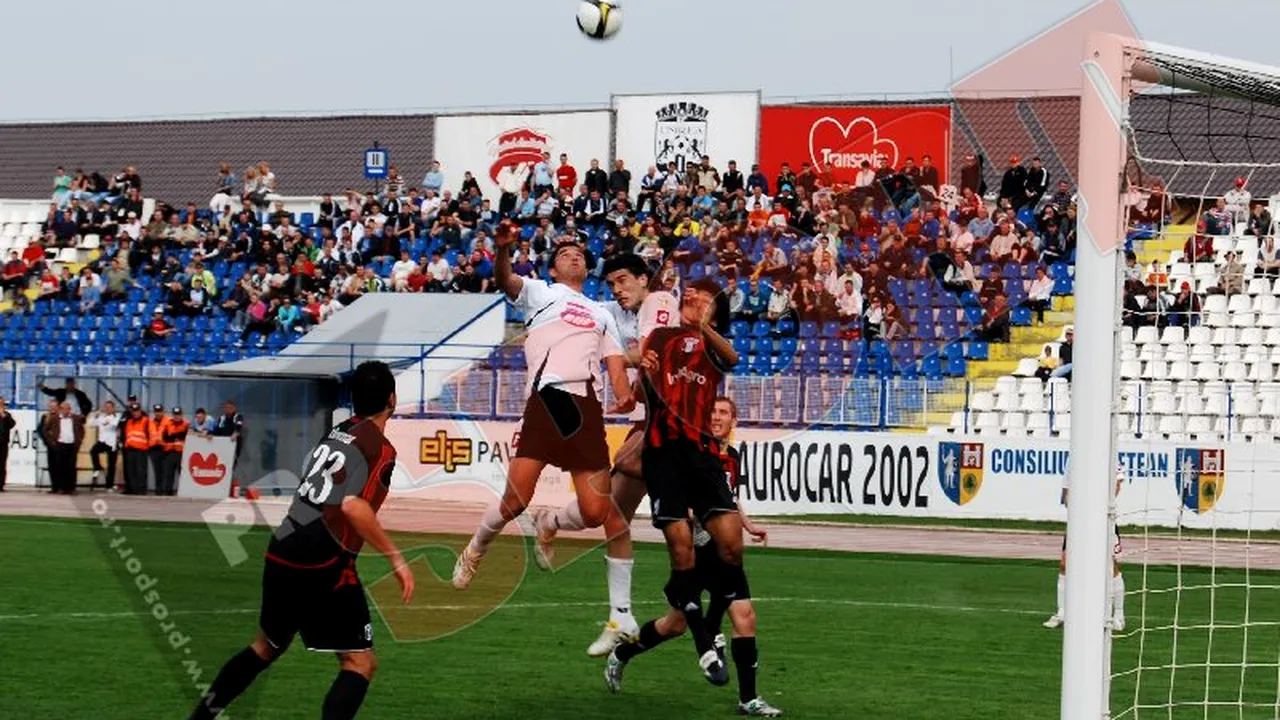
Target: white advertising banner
column 502, row 150
column 658, row 129
column 24, row 448
column 206, row 467
column 801, row 472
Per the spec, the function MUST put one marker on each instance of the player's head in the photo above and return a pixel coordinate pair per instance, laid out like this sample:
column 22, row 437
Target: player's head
column 373, row 389
column 724, row 417
column 628, row 276
column 568, row 263
column 704, row 301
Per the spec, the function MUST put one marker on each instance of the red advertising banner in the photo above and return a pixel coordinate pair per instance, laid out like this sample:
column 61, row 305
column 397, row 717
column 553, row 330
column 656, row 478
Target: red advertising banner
column 843, row 136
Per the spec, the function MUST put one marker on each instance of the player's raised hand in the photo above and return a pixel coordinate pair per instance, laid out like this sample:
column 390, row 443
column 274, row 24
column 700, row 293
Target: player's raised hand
column 505, row 234
column 758, row 535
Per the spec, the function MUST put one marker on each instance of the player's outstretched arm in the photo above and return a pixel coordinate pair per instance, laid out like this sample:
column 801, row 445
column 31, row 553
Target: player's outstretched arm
column 365, row 521
column 503, row 238
column 624, row 399
column 757, row 533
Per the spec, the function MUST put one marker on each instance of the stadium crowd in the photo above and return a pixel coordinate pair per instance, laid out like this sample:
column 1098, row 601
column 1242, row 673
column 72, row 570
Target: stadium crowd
column 798, row 246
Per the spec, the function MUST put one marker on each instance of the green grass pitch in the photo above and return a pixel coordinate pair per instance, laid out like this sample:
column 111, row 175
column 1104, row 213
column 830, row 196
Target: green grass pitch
column 841, row 635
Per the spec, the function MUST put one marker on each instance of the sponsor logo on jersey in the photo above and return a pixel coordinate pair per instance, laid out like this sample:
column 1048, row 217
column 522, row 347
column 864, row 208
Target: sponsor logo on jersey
column 578, row 315
column 1200, row 475
column 448, row 452
column 960, row 470
column 684, row 374
column 691, row 344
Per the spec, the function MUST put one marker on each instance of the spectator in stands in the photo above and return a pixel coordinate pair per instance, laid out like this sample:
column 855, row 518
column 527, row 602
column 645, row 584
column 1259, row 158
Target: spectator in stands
column 1185, row 309
column 619, row 180
column 401, row 270
column 1061, row 197
column 1048, row 363
column 995, row 321
column 433, row 180
column 1139, row 305
column 1024, row 249
column 1230, row 277
column 756, row 303
column 849, row 303
column 288, row 316
column 117, row 282
column 1199, row 246
column 89, row 291
column 1259, row 223
column 780, row 303
column 1218, row 220
column 1013, row 184
column 61, row 187
column 1237, row 201
column 1002, row 243
column 893, row 326
column 201, row 424
column 224, row 189
column 258, row 320
column 1132, row 271
column 1037, row 184
column 69, row 391
column 804, row 300
column 158, row 329
column 940, row 266
column 1268, row 259
column 50, row 287
column 1065, row 354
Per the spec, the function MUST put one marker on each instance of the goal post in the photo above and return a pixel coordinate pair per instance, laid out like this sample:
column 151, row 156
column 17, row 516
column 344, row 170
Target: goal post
column 1115, row 69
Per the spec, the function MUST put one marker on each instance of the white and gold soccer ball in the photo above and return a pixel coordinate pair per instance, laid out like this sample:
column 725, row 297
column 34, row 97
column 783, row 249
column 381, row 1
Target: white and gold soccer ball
column 598, row 19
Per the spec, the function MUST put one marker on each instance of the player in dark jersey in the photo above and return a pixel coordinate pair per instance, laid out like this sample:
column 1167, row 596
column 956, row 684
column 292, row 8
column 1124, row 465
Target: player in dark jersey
column 718, row 579
column 682, row 369
column 309, row 582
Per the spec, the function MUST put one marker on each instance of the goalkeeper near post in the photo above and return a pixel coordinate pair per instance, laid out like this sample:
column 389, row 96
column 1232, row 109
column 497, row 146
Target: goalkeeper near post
column 1117, row 580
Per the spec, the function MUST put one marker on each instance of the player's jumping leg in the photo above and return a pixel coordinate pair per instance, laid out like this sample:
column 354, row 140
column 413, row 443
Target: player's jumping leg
column 1117, row 598
column 1056, row 620
column 650, row 636
column 348, row 690
column 745, row 659
column 591, row 507
column 236, row 676
column 522, row 477
column 684, row 592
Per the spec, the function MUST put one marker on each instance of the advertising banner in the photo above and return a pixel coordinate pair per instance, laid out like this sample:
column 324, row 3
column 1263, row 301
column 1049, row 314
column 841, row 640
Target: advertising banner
column 658, row 129
column 842, row 137
column 799, row 472
column 502, row 150
column 206, row 467
column 24, row 448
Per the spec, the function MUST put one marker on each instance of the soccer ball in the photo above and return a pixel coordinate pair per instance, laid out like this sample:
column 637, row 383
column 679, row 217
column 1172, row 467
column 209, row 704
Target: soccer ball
column 598, row 19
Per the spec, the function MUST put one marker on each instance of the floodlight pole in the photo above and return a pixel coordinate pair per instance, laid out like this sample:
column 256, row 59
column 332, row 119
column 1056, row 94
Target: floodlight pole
column 1100, row 241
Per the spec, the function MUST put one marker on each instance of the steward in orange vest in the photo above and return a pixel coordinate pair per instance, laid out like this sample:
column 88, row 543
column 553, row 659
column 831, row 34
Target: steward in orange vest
column 137, row 443
column 173, row 437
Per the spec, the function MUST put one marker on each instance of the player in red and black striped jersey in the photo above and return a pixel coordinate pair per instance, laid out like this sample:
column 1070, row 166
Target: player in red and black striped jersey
column 310, row 586
column 728, row 589
column 682, row 369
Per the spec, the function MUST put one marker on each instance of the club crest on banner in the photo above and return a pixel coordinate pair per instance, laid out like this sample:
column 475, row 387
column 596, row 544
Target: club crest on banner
column 680, row 134
column 1201, row 476
column 515, row 152
column 960, row 470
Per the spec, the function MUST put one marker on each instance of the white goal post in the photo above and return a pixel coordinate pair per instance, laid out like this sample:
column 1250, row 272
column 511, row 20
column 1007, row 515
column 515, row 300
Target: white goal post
column 1114, row 68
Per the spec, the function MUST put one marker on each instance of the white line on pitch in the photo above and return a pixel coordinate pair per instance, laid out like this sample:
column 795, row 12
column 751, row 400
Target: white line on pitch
column 537, row 606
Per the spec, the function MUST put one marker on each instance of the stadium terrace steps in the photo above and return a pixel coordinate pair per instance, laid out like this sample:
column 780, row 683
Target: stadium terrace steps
column 1173, row 239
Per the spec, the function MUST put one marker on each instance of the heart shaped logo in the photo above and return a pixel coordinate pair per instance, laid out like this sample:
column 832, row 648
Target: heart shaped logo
column 205, row 469
column 845, row 147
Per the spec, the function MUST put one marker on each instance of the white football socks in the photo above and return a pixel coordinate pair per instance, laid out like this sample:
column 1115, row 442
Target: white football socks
column 491, row 524
column 1117, row 598
column 569, row 517
column 1062, row 596
column 618, row 571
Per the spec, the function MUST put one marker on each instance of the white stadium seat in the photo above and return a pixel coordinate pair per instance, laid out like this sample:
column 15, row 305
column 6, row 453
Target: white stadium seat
column 1173, row 334
column 988, row 421
column 983, row 401
column 1215, row 404
column 1206, row 371
column 1253, row 426
column 1031, row 403
column 1250, row 336
column 1234, row 371
column 1150, row 351
column 1216, row 319
column 1242, row 319
column 1130, row 369
column 1169, row 425
column 1239, row 303
column 957, row 419
column 1192, row 405
column 1265, row 303
column 1006, row 384
column 1014, row 423
column 1223, row 336
column 1007, row 402
column 1199, row 335
column 1262, row 371
column 1229, row 353
column 1026, row 367
column 1162, row 404
column 1176, row 351
column 1245, row 406
column 1028, row 386
column 1158, row 370
column 1146, row 334
column 1198, row 425
column 1259, row 286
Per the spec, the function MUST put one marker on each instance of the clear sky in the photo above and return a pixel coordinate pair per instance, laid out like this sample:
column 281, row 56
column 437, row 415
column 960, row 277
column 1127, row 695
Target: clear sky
column 85, row 59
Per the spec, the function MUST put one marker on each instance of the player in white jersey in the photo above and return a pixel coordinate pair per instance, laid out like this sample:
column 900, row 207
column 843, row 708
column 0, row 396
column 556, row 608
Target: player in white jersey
column 563, row 424
column 638, row 311
column 1117, row 582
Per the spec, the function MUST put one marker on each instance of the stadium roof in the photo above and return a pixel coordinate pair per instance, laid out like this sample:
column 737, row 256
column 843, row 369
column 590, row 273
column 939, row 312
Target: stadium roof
column 398, row 328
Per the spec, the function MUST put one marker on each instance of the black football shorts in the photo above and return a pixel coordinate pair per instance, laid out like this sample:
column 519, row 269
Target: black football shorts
column 681, row 477
column 326, row 606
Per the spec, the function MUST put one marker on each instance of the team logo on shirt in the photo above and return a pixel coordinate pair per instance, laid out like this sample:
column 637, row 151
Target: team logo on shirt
column 578, row 315
column 1201, row 475
column 960, row 470
column 515, row 153
column 680, row 134
column 691, row 344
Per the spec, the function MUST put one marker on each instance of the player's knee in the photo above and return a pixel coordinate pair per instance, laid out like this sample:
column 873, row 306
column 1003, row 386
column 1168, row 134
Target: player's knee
column 595, row 514
column 364, row 663
column 673, row 624
column 265, row 650
column 731, row 553
column 682, row 558
column 615, row 527
column 743, row 616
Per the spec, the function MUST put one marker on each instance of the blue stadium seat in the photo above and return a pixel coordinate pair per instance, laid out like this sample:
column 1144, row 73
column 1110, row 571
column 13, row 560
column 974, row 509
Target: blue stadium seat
column 787, row 347
column 808, row 329
column 786, row 327
column 956, row 367
column 1021, row 316
column 1063, row 286
column 761, row 328
column 739, row 328
column 1011, row 270
column 979, row 350
column 830, row 329
column 741, row 345
column 931, row 367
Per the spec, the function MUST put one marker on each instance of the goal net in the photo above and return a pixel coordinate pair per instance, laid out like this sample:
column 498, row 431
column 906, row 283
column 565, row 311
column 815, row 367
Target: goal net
column 1177, row 341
